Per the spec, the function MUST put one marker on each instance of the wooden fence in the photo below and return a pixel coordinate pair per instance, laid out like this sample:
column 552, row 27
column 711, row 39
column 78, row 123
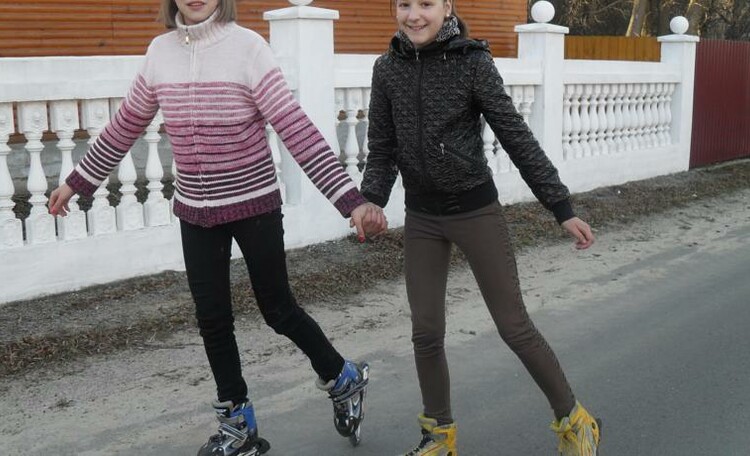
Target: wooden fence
column 644, row 49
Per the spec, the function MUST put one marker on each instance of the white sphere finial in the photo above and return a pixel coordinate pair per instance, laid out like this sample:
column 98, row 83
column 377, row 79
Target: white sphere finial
column 300, row 2
column 679, row 25
column 542, row 12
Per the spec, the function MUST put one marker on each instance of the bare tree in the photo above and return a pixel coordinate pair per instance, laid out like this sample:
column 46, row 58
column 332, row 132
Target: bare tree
column 696, row 16
column 723, row 19
column 638, row 18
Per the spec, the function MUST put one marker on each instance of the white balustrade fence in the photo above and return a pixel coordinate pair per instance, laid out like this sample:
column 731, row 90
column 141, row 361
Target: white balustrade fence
column 601, row 123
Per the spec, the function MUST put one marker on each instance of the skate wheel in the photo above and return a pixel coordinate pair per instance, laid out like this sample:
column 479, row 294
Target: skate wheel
column 263, row 446
column 356, row 438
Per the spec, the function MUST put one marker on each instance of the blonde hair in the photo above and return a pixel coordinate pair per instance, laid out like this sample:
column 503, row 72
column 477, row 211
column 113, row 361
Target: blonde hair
column 168, row 10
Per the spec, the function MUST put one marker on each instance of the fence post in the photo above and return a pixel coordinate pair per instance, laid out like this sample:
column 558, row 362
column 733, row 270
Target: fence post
column 302, row 40
column 544, row 44
column 680, row 49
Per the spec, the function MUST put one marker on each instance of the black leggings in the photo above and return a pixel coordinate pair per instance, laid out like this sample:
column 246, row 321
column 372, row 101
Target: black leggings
column 207, row 252
column 482, row 235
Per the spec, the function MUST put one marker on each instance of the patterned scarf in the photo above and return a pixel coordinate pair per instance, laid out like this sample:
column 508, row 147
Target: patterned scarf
column 447, row 31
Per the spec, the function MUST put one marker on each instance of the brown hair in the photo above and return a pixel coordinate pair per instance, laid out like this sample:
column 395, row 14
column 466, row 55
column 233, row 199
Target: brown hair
column 168, row 10
column 463, row 26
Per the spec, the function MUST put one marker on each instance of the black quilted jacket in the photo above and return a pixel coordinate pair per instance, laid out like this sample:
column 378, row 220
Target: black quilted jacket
column 425, row 122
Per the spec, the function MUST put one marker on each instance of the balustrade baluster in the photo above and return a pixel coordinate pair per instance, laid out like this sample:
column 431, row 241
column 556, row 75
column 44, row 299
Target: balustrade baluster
column 488, row 140
column 648, row 113
column 609, row 135
column 601, row 118
column 64, row 121
column 619, row 90
column 661, row 96
column 129, row 212
column 11, row 228
column 628, row 115
column 273, row 144
column 366, row 93
column 351, row 147
column 32, row 121
column 585, row 120
column 567, row 122
column 639, row 115
column 101, row 217
column 527, row 102
column 340, row 103
column 575, row 131
column 671, row 87
column 156, row 207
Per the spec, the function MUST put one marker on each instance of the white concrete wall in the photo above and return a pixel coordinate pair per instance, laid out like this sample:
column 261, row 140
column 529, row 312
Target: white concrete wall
column 601, row 123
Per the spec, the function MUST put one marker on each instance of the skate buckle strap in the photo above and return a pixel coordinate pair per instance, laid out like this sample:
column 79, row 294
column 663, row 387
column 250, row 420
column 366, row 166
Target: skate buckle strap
column 352, row 391
column 232, row 432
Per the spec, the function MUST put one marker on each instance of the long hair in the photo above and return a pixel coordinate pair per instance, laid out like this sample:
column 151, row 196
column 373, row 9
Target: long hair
column 168, row 10
column 463, row 26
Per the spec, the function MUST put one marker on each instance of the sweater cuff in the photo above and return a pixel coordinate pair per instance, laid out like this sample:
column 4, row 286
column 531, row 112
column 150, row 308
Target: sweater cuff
column 563, row 211
column 350, row 201
column 375, row 199
column 80, row 185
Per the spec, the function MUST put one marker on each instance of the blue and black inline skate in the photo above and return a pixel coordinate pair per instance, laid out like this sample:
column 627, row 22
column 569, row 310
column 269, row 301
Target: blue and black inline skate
column 238, row 432
column 348, row 392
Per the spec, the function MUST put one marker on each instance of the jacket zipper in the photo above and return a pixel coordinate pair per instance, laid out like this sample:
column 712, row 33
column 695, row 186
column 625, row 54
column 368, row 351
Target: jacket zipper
column 457, row 155
column 421, row 152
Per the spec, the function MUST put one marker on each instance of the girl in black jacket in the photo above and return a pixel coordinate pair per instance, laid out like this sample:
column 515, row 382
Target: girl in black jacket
column 428, row 92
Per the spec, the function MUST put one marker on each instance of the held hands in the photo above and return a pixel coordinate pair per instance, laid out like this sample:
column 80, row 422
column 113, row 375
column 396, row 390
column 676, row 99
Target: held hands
column 368, row 218
column 58, row 200
column 581, row 231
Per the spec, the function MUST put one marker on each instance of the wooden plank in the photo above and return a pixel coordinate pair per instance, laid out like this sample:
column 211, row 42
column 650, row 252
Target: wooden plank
column 612, row 48
column 363, row 27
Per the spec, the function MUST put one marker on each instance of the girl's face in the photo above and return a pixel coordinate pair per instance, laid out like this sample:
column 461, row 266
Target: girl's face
column 196, row 11
column 421, row 20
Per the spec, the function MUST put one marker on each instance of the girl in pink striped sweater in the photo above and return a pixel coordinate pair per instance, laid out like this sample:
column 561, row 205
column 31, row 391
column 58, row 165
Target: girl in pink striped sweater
column 217, row 85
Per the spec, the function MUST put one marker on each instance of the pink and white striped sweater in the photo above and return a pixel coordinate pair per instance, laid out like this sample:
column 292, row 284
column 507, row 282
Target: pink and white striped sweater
column 217, row 85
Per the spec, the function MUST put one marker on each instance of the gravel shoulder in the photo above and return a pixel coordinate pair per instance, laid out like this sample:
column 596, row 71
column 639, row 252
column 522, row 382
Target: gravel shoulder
column 49, row 333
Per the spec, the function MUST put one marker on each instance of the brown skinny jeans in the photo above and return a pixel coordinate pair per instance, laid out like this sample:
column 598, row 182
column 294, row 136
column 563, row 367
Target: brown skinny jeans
column 482, row 236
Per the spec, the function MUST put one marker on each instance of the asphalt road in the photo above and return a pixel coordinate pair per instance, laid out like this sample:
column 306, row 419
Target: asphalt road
column 666, row 365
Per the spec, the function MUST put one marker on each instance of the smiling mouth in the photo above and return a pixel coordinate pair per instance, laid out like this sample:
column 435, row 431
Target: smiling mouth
column 416, row 29
column 196, row 5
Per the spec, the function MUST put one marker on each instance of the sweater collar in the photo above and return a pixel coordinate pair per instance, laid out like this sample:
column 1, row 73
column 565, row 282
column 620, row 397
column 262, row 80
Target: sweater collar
column 206, row 32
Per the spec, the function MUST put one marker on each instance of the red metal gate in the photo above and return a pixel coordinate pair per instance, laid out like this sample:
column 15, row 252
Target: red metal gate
column 721, row 113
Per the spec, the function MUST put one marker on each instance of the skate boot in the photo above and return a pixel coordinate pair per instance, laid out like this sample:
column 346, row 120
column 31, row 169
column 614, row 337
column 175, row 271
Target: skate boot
column 436, row 440
column 348, row 392
column 238, row 432
column 578, row 432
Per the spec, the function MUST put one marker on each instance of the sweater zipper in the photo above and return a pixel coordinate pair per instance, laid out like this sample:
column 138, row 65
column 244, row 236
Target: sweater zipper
column 193, row 78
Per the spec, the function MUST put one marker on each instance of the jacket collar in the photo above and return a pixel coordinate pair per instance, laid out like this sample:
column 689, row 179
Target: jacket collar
column 455, row 44
column 205, row 33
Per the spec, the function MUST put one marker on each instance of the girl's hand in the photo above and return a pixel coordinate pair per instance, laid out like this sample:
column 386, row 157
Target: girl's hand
column 58, row 200
column 581, row 231
column 368, row 218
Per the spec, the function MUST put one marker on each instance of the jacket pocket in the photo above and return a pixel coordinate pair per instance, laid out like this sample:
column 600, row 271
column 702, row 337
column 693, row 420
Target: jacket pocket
column 471, row 161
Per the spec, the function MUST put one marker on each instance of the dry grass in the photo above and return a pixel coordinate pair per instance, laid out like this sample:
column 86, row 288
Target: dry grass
column 137, row 312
